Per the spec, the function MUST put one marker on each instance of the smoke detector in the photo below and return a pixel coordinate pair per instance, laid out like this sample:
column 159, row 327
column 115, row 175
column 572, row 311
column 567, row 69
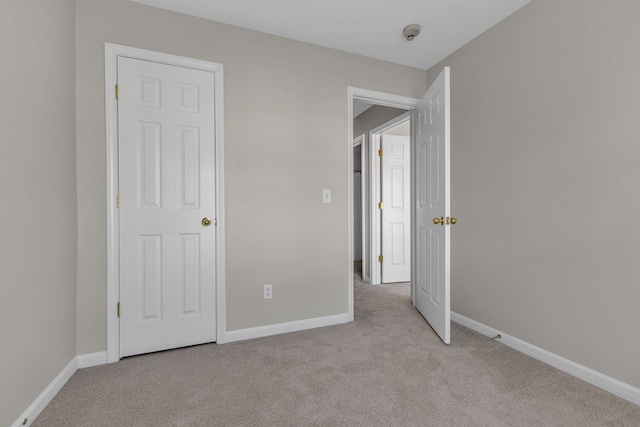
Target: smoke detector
column 411, row 31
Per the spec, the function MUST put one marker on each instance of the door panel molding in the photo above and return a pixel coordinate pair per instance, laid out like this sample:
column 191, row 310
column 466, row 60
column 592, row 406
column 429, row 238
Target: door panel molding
column 112, row 52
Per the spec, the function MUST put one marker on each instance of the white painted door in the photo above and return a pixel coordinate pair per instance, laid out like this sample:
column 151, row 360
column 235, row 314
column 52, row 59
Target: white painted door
column 166, row 175
column 432, row 287
column 396, row 209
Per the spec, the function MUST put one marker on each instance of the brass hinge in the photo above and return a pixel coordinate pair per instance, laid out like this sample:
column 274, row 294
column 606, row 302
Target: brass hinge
column 380, row 153
column 379, row 205
column 380, row 258
column 118, row 200
column 118, row 309
column 117, row 91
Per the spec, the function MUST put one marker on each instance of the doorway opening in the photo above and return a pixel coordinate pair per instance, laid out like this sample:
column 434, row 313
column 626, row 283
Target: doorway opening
column 373, row 125
column 430, row 210
column 390, row 206
column 380, row 108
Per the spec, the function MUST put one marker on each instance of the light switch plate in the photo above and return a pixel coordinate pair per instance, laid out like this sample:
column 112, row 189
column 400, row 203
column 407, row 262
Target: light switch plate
column 326, row 196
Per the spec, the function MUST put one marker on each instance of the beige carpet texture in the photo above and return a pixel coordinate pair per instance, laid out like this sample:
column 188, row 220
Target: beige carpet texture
column 387, row 368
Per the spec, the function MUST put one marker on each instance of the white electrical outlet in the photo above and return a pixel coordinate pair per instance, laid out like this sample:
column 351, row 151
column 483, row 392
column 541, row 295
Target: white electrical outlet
column 268, row 291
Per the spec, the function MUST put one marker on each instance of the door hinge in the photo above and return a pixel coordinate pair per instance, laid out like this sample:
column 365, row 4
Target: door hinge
column 380, row 258
column 118, row 309
column 380, row 153
column 117, row 91
column 379, row 205
column 118, row 200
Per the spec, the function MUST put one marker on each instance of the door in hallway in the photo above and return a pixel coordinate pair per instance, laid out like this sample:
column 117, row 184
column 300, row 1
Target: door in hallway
column 396, row 209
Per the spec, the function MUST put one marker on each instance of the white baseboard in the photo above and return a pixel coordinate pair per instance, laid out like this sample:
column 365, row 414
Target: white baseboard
column 281, row 328
column 605, row 382
column 92, row 359
column 47, row 394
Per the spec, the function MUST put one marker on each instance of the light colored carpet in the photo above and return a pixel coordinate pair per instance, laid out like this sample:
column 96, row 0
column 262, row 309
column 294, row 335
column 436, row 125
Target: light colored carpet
column 388, row 368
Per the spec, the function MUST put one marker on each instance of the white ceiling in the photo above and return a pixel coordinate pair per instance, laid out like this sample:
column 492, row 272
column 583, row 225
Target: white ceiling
column 371, row 28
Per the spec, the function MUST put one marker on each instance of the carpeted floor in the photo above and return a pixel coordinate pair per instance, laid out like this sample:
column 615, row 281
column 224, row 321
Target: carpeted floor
column 388, row 368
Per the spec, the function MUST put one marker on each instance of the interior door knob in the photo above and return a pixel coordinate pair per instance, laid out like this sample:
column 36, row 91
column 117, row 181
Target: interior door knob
column 437, row 221
column 453, row 220
column 206, row 222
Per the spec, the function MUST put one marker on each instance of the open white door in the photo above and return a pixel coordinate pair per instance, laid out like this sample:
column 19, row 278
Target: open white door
column 396, row 209
column 432, row 281
column 166, row 138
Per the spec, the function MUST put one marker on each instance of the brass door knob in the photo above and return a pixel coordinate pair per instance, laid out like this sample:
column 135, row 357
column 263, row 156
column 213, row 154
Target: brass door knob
column 437, row 221
column 206, row 222
column 453, row 220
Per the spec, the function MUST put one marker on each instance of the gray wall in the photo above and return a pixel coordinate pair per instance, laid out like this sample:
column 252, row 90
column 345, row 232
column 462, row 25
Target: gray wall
column 403, row 129
column 38, row 215
column 285, row 130
column 545, row 173
column 357, row 203
column 365, row 122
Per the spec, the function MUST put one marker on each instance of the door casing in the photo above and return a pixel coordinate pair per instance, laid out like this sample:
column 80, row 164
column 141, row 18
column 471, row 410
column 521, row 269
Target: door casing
column 112, row 52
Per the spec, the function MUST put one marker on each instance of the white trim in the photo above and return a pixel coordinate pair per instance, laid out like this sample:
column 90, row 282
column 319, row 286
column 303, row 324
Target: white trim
column 111, row 52
column 47, row 394
column 375, row 270
column 221, row 275
column 381, row 98
column 375, row 192
column 598, row 379
column 350, row 98
column 377, row 98
column 113, row 267
column 92, row 359
column 412, row 203
column 282, row 328
column 363, row 176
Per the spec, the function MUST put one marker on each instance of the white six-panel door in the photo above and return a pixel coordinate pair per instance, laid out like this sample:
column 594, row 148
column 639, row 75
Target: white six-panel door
column 396, row 209
column 166, row 178
column 432, row 287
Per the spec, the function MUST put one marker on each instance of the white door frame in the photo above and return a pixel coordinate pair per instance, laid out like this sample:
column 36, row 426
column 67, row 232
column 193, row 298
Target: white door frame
column 112, row 51
column 377, row 98
column 375, row 219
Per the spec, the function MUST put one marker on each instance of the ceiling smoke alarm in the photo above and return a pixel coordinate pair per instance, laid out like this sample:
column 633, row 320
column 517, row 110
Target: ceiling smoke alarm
column 411, row 31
